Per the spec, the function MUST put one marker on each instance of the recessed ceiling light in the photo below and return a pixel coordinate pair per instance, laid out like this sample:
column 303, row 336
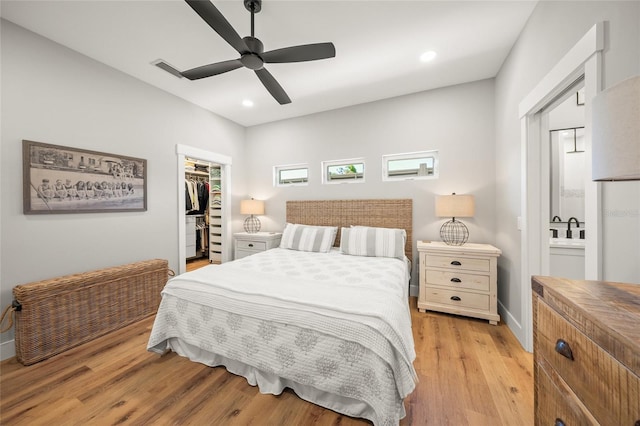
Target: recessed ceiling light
column 247, row 103
column 428, row 56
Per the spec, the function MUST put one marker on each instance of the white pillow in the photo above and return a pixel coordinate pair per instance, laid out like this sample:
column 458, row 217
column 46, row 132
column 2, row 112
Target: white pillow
column 369, row 241
column 308, row 238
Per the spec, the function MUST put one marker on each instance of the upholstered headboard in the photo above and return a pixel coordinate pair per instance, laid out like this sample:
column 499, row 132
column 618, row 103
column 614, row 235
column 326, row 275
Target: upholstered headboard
column 391, row 213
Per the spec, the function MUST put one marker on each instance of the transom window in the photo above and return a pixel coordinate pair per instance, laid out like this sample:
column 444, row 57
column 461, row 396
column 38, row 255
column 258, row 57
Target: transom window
column 297, row 174
column 409, row 166
column 343, row 171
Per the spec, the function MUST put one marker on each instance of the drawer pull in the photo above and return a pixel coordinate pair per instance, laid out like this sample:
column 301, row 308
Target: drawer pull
column 456, row 280
column 559, row 422
column 456, row 263
column 250, row 244
column 564, row 349
column 456, row 298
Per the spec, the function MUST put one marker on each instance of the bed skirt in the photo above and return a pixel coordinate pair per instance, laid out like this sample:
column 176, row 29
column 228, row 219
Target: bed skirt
column 270, row 383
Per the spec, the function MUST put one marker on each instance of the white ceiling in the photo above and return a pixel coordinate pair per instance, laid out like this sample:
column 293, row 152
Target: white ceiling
column 378, row 44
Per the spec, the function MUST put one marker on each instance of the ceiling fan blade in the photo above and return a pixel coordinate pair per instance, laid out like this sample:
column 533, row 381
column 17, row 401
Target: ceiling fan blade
column 273, row 86
column 217, row 21
column 302, row 53
column 212, row 69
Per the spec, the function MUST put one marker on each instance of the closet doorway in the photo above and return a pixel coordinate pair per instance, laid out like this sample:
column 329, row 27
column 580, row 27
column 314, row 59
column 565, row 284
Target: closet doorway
column 192, row 163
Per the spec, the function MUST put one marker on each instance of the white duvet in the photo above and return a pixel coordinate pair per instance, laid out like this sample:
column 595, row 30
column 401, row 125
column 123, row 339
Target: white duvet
column 329, row 322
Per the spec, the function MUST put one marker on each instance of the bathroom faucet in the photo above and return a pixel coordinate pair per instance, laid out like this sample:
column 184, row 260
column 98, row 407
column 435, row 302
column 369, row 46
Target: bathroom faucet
column 556, row 217
column 571, row 219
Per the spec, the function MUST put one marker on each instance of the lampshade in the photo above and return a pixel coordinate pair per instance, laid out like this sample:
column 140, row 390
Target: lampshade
column 251, row 207
column 455, row 205
column 616, row 132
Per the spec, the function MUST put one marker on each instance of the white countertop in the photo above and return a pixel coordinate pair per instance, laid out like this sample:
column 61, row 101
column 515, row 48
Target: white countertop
column 566, row 243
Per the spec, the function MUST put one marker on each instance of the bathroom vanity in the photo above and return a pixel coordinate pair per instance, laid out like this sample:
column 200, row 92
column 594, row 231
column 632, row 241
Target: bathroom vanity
column 566, row 258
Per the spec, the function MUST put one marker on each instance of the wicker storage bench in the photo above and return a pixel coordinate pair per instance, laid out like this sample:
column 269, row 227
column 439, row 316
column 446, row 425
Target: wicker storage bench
column 61, row 313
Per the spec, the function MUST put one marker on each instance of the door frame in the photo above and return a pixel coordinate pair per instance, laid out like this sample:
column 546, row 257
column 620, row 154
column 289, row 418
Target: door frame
column 584, row 58
column 182, row 152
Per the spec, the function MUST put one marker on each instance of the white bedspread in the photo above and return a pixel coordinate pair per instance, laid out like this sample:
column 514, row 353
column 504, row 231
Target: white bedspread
column 350, row 304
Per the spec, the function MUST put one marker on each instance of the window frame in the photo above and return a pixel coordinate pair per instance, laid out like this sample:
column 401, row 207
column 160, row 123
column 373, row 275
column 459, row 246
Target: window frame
column 326, row 179
column 410, row 156
column 276, row 174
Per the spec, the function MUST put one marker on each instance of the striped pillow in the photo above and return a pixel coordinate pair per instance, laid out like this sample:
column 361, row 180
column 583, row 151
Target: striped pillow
column 308, row 238
column 368, row 241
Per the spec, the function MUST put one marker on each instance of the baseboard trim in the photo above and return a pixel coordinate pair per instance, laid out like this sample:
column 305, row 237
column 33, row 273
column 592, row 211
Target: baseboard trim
column 513, row 324
column 7, row 350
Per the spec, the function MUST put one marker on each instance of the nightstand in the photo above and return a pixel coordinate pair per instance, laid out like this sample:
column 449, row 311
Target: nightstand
column 459, row 280
column 247, row 244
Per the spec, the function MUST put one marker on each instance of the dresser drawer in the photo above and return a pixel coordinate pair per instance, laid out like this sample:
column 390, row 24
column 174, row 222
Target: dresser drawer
column 555, row 400
column 457, row 262
column 608, row 388
column 455, row 298
column 457, row 280
column 251, row 245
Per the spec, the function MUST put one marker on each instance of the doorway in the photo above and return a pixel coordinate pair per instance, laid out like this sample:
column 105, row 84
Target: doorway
column 183, row 152
column 567, row 176
column 584, row 59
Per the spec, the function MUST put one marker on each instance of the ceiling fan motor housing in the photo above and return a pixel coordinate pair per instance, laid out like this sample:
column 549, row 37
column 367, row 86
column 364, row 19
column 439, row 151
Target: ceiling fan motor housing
column 252, row 59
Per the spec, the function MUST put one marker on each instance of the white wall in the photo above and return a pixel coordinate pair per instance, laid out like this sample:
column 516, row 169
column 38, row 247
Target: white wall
column 457, row 121
column 553, row 28
column 54, row 95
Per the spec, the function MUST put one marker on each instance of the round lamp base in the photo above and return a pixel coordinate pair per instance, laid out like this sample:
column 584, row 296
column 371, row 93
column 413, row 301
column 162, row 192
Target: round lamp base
column 252, row 224
column 454, row 233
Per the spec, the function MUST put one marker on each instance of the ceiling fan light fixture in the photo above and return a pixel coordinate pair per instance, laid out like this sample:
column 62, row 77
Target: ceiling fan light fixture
column 428, row 56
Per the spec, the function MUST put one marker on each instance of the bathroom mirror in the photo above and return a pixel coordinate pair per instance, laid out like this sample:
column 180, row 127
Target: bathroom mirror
column 567, row 174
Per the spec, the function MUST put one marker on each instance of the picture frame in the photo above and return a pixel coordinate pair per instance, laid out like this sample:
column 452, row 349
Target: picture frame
column 59, row 179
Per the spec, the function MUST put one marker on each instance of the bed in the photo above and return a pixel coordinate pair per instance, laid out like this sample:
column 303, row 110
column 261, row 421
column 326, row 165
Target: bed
column 333, row 327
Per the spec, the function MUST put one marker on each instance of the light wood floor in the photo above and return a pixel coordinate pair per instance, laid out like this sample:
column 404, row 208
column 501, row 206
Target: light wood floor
column 471, row 373
column 197, row 263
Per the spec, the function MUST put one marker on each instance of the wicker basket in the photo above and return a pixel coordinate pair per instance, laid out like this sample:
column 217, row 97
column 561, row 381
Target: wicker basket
column 61, row 313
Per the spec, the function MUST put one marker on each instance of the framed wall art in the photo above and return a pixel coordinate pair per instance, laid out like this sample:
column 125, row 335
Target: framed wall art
column 60, row 179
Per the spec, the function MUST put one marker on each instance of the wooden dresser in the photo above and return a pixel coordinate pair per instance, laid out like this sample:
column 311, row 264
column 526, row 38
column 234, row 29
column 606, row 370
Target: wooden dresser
column 459, row 280
column 586, row 352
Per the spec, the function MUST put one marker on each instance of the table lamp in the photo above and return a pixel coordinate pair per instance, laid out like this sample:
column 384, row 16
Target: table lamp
column 252, row 207
column 616, row 132
column 453, row 232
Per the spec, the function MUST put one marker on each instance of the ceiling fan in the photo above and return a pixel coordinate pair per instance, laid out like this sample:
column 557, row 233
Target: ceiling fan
column 251, row 49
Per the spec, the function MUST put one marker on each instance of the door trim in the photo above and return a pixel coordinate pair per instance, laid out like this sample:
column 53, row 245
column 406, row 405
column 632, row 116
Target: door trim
column 183, row 151
column 583, row 59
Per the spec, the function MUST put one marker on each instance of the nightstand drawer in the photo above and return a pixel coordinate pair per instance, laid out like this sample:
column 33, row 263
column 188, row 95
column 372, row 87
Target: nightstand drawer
column 458, row 262
column 251, row 245
column 456, row 298
column 457, row 280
